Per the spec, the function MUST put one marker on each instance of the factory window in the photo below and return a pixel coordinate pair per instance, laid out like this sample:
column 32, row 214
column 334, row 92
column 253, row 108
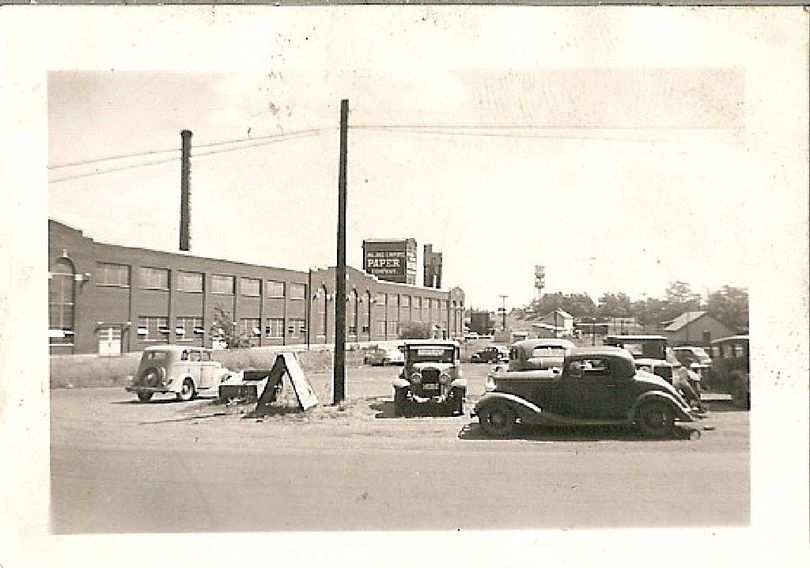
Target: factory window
column 189, row 328
column 249, row 329
column 275, row 289
column 298, row 291
column 61, row 291
column 417, row 303
column 393, row 300
column 221, row 284
column 406, row 301
column 297, row 327
column 153, row 328
column 251, row 287
column 380, row 298
column 153, row 278
column 392, row 328
column 274, row 328
column 189, row 281
column 381, row 327
column 112, row 274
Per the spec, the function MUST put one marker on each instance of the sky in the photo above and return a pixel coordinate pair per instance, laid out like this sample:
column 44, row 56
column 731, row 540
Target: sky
column 615, row 178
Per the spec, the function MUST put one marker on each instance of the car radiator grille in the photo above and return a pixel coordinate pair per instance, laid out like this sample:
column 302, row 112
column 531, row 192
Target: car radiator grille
column 430, row 383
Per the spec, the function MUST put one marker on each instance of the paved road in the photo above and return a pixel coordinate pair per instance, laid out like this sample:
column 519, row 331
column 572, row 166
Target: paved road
column 123, row 466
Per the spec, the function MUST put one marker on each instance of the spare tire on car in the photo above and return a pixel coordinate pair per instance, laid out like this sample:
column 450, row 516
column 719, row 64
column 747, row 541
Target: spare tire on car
column 153, row 376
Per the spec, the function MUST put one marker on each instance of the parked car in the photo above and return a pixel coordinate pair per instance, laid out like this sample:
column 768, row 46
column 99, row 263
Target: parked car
column 431, row 375
column 539, row 354
column 491, row 354
column 384, row 356
column 731, row 369
column 694, row 358
column 598, row 385
column 184, row 371
column 649, row 352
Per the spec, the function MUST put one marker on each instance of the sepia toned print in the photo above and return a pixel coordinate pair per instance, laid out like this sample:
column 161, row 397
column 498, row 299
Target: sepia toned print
column 416, row 269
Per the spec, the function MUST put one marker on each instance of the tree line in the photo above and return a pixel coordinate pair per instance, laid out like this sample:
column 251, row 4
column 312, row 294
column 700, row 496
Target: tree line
column 728, row 305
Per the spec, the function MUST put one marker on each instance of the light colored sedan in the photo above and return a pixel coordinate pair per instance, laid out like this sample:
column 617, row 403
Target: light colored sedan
column 385, row 356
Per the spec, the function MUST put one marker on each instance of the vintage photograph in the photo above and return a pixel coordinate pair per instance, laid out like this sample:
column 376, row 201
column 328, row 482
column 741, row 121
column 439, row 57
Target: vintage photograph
column 419, row 268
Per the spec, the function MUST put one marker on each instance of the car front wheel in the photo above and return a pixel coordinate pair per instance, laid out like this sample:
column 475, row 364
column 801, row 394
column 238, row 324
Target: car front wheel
column 497, row 420
column 739, row 393
column 144, row 396
column 457, row 400
column 655, row 419
column 400, row 401
column 187, row 391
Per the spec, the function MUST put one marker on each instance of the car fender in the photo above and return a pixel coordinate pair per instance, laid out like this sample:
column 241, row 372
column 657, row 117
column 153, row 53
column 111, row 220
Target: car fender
column 176, row 385
column 526, row 411
column 400, row 383
column 459, row 383
column 681, row 413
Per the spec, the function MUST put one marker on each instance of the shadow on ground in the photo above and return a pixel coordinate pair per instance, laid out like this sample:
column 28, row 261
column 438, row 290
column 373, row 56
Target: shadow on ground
column 723, row 406
column 532, row 433
column 385, row 409
column 164, row 400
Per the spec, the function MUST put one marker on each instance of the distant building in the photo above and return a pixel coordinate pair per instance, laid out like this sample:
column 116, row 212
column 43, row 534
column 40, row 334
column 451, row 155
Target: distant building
column 432, row 274
column 111, row 299
column 482, row 322
column 694, row 328
column 557, row 323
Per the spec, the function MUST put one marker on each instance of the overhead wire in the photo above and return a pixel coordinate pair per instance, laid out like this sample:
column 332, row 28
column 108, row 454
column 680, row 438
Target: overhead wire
column 267, row 140
column 429, row 129
column 110, row 158
column 111, row 170
column 207, row 145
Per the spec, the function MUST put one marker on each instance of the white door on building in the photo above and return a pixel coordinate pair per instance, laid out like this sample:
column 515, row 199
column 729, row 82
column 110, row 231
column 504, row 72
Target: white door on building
column 109, row 341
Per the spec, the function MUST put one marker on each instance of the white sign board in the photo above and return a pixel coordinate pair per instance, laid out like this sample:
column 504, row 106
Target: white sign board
column 303, row 390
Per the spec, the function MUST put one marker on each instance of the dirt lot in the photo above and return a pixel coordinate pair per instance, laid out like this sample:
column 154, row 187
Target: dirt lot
column 119, row 465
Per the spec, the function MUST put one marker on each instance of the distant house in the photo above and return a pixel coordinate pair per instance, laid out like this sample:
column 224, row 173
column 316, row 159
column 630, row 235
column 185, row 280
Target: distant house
column 694, row 328
column 557, row 323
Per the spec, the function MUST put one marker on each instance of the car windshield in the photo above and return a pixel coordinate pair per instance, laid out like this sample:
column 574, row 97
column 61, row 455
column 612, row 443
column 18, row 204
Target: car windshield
column 651, row 349
column 701, row 353
column 420, row 354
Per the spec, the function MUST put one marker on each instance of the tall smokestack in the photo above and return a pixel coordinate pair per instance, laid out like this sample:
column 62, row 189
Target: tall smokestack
column 185, row 191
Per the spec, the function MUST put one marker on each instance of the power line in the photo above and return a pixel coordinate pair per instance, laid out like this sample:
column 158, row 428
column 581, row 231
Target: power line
column 525, row 127
column 276, row 138
column 111, row 170
column 286, row 137
column 450, row 132
column 208, row 145
column 110, row 158
column 258, row 138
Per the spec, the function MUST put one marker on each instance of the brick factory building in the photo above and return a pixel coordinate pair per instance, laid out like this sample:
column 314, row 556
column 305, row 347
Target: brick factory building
column 112, row 299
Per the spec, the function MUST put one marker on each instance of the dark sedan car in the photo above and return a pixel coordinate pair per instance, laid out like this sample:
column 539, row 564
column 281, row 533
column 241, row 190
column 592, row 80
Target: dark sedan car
column 492, row 354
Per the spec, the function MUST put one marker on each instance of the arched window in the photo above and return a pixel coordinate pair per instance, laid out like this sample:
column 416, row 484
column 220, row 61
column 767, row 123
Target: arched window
column 353, row 318
column 61, row 302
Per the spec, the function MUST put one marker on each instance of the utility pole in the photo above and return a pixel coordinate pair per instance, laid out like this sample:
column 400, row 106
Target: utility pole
column 503, row 310
column 185, row 190
column 339, row 382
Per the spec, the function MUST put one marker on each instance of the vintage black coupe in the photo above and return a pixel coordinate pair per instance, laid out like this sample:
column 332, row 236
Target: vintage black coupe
column 597, row 386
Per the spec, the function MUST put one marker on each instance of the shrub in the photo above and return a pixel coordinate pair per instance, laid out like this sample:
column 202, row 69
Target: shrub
column 414, row 330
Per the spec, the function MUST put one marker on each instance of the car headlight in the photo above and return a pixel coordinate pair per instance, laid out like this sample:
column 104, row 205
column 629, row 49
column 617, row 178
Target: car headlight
column 444, row 379
column 416, row 378
column 489, row 386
